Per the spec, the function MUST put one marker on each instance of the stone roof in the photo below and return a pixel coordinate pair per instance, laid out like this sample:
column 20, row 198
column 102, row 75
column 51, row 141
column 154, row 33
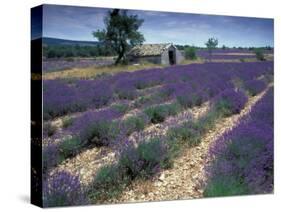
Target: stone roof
column 149, row 49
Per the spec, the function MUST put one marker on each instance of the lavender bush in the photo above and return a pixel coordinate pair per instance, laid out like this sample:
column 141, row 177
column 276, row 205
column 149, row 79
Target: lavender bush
column 51, row 155
column 230, row 102
column 254, row 87
column 159, row 113
column 242, row 159
column 95, row 127
column 145, row 160
column 63, row 189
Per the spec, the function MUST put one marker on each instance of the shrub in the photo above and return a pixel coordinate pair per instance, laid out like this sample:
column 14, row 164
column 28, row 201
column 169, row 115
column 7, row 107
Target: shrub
column 70, row 146
column 190, row 100
column 144, row 160
column 101, row 132
column 143, row 100
column 121, row 108
column 63, row 189
column 225, row 186
column 259, row 55
column 190, row 53
column 174, row 109
column 67, row 121
column 207, row 122
column 243, row 157
column 134, row 123
column 107, row 176
column 189, row 133
column 229, row 102
column 97, row 128
column 158, row 113
column 254, row 87
column 108, row 183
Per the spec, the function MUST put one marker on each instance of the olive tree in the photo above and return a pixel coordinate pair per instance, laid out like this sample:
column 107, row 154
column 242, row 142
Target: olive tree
column 120, row 33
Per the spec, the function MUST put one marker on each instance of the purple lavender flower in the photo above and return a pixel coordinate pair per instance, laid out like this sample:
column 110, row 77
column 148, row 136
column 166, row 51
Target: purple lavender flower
column 63, row 189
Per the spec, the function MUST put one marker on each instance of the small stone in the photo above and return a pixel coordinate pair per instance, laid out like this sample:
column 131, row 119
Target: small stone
column 162, row 177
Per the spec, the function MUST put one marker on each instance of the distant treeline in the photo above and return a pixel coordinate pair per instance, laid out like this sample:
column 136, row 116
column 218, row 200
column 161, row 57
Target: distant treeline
column 184, row 47
column 67, row 51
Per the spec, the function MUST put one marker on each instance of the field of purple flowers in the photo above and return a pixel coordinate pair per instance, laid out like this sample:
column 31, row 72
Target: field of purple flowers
column 229, row 54
column 50, row 65
column 104, row 112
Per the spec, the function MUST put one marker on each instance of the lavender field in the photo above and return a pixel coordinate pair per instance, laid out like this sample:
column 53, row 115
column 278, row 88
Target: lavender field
column 142, row 106
column 184, row 131
column 50, row 65
column 230, row 54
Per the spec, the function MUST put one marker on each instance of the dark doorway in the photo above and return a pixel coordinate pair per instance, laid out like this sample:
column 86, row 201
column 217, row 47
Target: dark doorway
column 171, row 57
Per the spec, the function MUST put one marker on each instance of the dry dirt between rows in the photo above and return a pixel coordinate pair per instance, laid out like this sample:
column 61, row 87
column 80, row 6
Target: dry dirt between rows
column 184, row 180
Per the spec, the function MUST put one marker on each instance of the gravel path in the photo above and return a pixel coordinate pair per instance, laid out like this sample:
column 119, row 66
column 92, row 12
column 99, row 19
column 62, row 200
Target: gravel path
column 184, row 180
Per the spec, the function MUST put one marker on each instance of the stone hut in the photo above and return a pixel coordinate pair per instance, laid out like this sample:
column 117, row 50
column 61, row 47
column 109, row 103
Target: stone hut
column 165, row 54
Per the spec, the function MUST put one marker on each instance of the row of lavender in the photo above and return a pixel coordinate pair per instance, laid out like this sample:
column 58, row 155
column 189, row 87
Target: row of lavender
column 66, row 96
column 152, row 155
column 102, row 127
column 50, row 65
column 242, row 159
column 229, row 54
column 149, row 157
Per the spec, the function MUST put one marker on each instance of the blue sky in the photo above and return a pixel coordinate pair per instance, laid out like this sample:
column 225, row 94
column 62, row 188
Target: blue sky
column 78, row 23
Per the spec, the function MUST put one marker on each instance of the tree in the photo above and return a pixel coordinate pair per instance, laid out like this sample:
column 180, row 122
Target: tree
column 259, row 54
column 121, row 32
column 211, row 44
column 190, row 53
